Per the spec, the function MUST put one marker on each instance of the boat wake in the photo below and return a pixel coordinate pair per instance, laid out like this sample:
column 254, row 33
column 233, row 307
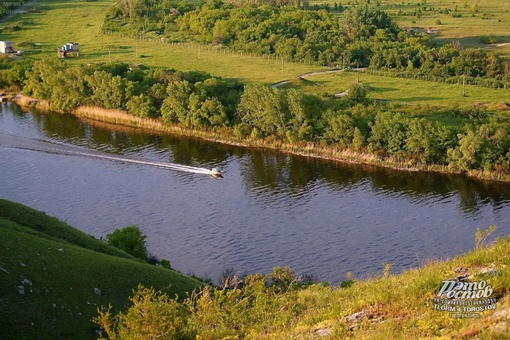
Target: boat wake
column 11, row 141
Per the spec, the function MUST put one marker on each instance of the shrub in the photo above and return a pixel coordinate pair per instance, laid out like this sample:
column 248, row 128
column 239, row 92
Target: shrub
column 131, row 240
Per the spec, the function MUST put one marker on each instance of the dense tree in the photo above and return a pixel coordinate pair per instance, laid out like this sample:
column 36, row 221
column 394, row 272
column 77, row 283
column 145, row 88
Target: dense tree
column 130, row 239
column 198, row 101
column 175, row 105
column 63, row 86
column 264, row 108
column 107, row 90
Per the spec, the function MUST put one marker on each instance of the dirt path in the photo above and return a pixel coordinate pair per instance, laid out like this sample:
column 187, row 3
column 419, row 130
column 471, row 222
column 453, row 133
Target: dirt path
column 305, row 75
column 314, row 73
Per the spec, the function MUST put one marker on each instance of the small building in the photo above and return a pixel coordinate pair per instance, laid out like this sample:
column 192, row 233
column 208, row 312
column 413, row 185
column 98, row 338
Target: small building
column 6, row 47
column 69, row 49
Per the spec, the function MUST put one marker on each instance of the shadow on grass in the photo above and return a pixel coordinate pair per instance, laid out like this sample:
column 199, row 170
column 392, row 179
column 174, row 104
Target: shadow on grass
column 375, row 89
column 487, row 41
column 418, row 99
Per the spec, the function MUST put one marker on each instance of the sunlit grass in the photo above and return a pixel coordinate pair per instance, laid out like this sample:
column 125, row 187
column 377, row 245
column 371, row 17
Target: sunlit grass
column 41, row 33
column 403, row 90
column 55, row 23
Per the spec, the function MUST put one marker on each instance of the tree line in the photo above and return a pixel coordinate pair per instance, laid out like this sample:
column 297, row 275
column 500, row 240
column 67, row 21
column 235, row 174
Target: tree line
column 462, row 139
column 357, row 36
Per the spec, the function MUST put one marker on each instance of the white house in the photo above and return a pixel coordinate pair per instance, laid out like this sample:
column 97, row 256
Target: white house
column 6, row 47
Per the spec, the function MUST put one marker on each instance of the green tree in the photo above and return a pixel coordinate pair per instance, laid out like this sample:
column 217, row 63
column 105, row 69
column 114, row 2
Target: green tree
column 130, row 239
column 142, row 106
column 357, row 94
column 340, row 128
column 265, row 109
column 466, row 155
column 304, row 111
column 107, row 91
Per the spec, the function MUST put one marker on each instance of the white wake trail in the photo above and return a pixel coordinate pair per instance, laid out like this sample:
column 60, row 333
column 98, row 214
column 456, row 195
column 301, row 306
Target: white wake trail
column 12, row 141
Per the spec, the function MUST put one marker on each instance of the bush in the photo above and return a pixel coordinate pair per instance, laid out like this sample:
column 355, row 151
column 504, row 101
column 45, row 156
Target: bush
column 131, row 240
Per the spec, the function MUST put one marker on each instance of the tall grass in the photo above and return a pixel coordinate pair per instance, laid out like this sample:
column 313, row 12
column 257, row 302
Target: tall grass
column 381, row 307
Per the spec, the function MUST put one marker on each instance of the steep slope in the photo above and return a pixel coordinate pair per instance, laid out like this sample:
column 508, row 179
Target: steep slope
column 53, row 278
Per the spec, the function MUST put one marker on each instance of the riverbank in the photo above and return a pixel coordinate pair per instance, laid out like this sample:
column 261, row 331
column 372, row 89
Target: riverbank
column 465, row 297
column 45, row 257
column 224, row 136
column 312, row 150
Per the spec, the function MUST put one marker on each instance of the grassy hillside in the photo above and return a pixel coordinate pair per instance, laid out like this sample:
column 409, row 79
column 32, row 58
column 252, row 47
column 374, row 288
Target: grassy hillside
column 54, row 277
column 403, row 306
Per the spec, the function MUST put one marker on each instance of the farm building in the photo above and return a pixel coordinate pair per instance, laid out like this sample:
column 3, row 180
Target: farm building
column 69, row 49
column 6, row 47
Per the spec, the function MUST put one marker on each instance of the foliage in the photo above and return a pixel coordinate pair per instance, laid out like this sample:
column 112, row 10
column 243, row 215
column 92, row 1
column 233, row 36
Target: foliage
column 472, row 138
column 275, row 306
column 481, row 236
column 162, row 317
column 357, row 94
column 261, row 303
column 130, row 239
column 362, row 36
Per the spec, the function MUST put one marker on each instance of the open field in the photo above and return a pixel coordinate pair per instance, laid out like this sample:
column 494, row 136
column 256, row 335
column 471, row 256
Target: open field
column 409, row 91
column 470, row 22
column 40, row 33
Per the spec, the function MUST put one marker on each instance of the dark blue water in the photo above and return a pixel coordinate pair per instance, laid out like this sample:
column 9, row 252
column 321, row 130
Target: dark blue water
column 271, row 209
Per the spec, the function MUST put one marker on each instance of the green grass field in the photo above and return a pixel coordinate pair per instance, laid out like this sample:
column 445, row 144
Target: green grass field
column 49, row 270
column 40, row 33
column 408, row 91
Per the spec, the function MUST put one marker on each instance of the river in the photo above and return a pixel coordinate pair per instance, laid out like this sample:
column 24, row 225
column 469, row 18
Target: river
column 270, row 209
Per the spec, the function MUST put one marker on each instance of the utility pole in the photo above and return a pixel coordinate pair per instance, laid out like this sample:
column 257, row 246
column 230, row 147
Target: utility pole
column 186, row 53
column 463, row 85
column 357, row 71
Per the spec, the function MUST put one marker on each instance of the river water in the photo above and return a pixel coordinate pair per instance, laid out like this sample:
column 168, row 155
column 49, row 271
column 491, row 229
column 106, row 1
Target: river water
column 270, row 209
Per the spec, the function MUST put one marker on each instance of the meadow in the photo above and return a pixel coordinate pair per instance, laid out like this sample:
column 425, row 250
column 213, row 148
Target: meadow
column 39, row 35
column 402, row 90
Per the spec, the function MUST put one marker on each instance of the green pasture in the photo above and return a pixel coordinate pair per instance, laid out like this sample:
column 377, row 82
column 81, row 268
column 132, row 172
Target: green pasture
column 402, row 90
column 55, row 22
column 40, row 32
column 470, row 22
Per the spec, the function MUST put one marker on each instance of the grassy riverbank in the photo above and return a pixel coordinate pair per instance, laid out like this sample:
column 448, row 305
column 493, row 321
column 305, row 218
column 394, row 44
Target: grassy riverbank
column 303, row 149
column 223, row 135
column 386, row 306
column 53, row 278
